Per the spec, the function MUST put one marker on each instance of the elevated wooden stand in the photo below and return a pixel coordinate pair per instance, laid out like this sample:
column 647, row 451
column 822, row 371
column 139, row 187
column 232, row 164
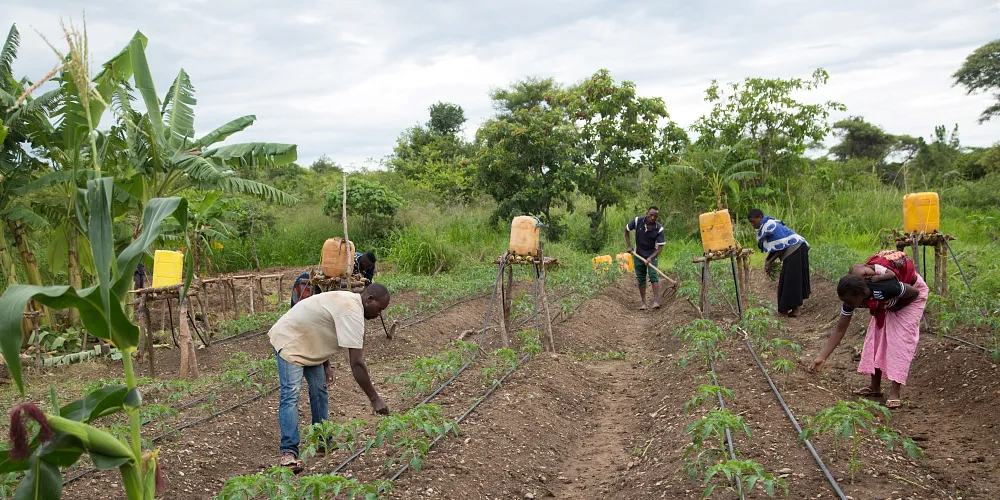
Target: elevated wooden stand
column 740, row 259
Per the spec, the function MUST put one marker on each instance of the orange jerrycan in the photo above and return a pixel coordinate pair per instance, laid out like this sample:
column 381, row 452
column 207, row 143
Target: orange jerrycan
column 168, row 268
column 337, row 255
column 601, row 263
column 524, row 236
column 921, row 213
column 716, row 231
column 625, row 262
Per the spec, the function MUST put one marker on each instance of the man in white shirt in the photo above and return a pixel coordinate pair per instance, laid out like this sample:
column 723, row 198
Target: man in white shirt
column 304, row 339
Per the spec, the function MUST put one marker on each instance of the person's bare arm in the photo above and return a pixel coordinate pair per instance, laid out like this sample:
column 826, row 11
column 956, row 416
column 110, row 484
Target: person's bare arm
column 909, row 292
column 835, row 337
column 628, row 241
column 360, row 371
column 875, row 278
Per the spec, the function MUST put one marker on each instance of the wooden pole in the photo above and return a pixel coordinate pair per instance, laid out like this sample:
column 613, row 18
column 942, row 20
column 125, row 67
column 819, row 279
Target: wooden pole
column 189, row 360
column 281, row 289
column 944, row 268
column 231, row 283
column 545, row 304
column 38, row 343
column 937, row 269
column 170, row 315
column 502, row 319
column 204, row 313
column 347, row 241
column 703, row 296
column 260, row 293
column 651, row 266
column 147, row 325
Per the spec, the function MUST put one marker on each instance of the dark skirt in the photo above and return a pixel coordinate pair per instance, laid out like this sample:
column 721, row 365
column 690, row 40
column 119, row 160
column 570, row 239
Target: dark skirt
column 793, row 284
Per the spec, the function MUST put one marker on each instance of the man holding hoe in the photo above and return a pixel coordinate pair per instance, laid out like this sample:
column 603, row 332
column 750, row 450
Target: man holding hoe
column 649, row 241
column 304, row 339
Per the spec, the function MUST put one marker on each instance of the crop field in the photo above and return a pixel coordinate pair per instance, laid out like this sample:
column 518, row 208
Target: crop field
column 144, row 263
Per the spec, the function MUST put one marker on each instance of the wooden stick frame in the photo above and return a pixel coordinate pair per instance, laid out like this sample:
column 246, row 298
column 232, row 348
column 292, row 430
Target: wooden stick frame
column 937, row 240
column 742, row 261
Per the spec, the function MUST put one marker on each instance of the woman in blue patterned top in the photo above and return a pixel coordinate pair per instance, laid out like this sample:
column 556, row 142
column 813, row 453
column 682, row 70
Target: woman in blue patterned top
column 779, row 242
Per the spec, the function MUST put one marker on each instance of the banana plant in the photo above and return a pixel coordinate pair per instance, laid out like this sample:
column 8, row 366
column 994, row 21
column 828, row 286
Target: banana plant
column 163, row 157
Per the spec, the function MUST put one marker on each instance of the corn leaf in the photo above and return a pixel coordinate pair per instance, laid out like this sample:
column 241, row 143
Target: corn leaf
column 97, row 404
column 42, row 481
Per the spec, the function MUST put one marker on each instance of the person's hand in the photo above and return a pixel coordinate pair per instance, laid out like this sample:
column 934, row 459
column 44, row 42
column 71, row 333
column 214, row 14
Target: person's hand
column 818, row 363
column 768, row 266
column 329, row 376
column 629, row 249
column 379, row 406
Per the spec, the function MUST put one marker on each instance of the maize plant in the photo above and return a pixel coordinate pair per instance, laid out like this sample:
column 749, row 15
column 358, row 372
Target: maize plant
column 66, row 433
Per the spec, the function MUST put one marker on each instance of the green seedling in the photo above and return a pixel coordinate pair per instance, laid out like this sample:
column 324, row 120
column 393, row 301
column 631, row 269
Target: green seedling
column 708, row 440
column 530, row 342
column 747, row 473
column 851, row 421
column 704, row 341
column 500, row 362
column 407, row 436
column 707, row 393
column 326, row 436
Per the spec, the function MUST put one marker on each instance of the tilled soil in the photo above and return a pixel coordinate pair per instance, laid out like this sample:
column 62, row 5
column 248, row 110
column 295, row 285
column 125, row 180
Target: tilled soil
column 582, row 423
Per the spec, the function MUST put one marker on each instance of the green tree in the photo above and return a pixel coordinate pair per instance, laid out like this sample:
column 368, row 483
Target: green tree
column 324, row 165
column 762, row 115
column 981, row 73
column 375, row 203
column 526, row 154
column 619, row 135
column 446, row 118
column 435, row 157
column 860, row 139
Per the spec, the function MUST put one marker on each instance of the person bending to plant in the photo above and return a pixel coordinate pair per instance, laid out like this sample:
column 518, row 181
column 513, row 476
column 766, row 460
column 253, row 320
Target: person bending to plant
column 779, row 242
column 304, row 339
column 893, row 332
column 649, row 241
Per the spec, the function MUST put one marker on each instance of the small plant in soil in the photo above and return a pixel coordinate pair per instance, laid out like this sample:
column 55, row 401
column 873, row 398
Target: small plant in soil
column 704, row 342
column 707, row 393
column 708, row 440
column 784, row 366
column 748, row 473
column 280, row 482
column 326, row 436
column 500, row 362
column 425, row 373
column 407, row 436
column 530, row 342
column 8, row 483
column 851, row 421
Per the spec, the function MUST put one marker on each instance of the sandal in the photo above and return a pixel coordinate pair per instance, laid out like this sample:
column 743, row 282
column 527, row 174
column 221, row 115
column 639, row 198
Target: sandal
column 292, row 462
column 892, row 404
column 866, row 392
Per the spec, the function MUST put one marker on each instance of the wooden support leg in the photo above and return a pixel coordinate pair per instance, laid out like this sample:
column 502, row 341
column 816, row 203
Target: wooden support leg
column 204, row 316
column 937, row 269
column 281, row 289
column 545, row 304
column 500, row 311
column 189, row 359
column 260, row 294
column 703, row 296
column 232, row 294
column 147, row 325
column 944, row 269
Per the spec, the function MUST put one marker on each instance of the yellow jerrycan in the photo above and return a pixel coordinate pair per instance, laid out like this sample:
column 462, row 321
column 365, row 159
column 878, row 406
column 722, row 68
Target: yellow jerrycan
column 625, row 262
column 601, row 263
column 921, row 213
column 716, row 231
column 168, row 268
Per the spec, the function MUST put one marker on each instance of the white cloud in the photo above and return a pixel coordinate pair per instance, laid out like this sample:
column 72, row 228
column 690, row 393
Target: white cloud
column 345, row 78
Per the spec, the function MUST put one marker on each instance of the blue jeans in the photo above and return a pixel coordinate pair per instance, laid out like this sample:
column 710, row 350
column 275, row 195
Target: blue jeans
column 290, row 383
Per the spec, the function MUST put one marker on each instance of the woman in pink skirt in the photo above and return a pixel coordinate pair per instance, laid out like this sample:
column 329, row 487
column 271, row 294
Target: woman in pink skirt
column 893, row 332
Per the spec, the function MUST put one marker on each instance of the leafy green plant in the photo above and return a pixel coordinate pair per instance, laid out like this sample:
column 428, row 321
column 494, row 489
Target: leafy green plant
column 784, row 366
column 530, row 342
column 275, row 482
column 748, row 473
column 704, row 342
column 408, row 435
column 708, row 440
column 51, row 341
column 500, row 362
column 425, row 373
column 8, row 484
column 851, row 421
column 327, row 435
column 707, row 392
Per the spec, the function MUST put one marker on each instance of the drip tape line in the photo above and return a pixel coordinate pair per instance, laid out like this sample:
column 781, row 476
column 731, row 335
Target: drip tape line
column 469, row 411
column 182, row 407
column 966, row 342
column 729, row 435
column 795, row 423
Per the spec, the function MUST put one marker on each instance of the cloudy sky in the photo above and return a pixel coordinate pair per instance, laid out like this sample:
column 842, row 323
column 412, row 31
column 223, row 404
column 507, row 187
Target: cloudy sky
column 344, row 78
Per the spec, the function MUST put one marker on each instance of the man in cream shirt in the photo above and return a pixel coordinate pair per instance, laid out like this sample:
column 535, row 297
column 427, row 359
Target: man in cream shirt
column 305, row 338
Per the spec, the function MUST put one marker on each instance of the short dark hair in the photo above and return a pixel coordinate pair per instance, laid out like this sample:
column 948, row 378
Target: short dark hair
column 377, row 291
column 851, row 285
column 755, row 213
column 369, row 256
column 653, row 207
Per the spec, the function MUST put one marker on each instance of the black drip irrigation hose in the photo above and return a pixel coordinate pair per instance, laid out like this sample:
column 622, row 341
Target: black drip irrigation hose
column 729, row 435
column 469, row 411
column 788, row 412
column 482, row 335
